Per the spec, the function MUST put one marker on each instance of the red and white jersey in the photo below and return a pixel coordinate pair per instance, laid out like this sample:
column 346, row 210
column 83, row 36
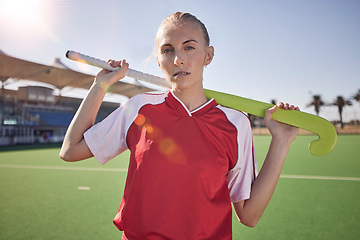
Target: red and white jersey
column 185, row 167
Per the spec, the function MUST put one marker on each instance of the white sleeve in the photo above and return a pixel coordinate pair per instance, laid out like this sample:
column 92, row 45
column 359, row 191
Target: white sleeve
column 243, row 174
column 107, row 138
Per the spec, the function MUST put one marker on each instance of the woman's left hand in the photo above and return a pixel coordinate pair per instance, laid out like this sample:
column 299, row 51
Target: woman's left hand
column 280, row 130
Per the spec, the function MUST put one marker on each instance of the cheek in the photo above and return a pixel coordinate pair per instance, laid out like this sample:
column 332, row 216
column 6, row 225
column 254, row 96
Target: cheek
column 199, row 61
column 164, row 67
column 163, row 63
column 199, row 57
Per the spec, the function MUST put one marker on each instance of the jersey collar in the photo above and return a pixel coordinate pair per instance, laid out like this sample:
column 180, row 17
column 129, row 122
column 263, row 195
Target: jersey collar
column 184, row 111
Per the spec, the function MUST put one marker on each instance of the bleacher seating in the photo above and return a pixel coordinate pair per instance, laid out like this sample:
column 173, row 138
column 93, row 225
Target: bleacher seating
column 23, row 121
column 53, row 118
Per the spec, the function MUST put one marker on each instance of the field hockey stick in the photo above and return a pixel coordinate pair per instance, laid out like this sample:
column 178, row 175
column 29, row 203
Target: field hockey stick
column 129, row 72
column 325, row 131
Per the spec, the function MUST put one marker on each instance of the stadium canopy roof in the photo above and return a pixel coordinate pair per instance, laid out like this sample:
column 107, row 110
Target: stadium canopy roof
column 58, row 75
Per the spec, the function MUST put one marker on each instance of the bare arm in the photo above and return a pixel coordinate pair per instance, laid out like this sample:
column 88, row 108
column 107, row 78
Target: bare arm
column 74, row 147
column 249, row 211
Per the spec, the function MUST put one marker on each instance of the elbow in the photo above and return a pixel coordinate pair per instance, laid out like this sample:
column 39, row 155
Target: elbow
column 66, row 155
column 249, row 221
column 74, row 153
column 245, row 215
column 251, row 224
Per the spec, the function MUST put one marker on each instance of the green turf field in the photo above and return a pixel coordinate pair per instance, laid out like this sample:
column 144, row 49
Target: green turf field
column 43, row 197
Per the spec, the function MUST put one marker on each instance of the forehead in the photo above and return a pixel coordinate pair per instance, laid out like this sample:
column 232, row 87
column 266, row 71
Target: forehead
column 172, row 33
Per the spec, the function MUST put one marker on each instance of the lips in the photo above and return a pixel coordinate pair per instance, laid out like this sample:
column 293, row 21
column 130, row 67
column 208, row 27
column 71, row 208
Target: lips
column 181, row 73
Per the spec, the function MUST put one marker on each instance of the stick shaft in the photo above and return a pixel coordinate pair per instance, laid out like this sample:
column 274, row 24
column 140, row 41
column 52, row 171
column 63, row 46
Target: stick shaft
column 320, row 126
column 76, row 56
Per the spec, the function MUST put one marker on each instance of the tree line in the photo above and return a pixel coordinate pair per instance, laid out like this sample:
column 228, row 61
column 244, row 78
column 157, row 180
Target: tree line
column 340, row 102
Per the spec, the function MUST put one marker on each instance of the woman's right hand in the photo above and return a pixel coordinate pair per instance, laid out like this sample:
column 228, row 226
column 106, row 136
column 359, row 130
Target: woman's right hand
column 106, row 78
column 281, row 130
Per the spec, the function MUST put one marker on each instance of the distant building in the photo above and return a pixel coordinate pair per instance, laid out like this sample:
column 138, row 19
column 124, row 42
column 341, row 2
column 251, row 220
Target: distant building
column 33, row 114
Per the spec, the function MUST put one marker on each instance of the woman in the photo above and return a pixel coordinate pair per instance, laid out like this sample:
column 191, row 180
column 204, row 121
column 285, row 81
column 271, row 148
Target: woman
column 190, row 157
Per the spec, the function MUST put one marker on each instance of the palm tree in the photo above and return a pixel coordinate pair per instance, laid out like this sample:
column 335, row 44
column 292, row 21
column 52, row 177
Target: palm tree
column 356, row 96
column 341, row 103
column 317, row 103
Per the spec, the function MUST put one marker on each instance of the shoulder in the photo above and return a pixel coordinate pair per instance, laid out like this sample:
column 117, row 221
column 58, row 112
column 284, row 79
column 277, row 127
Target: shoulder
column 147, row 98
column 236, row 117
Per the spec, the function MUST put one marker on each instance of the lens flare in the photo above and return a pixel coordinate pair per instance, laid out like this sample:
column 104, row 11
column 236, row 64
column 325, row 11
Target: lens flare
column 140, row 120
column 166, row 145
column 21, row 10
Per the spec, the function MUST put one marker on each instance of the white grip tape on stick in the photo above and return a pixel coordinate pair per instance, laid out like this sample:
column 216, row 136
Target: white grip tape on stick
column 79, row 57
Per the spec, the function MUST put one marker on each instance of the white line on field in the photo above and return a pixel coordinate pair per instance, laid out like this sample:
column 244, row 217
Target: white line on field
column 125, row 170
column 320, row 177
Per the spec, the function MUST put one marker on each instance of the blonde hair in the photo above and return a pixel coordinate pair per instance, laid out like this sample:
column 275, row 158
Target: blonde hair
column 181, row 17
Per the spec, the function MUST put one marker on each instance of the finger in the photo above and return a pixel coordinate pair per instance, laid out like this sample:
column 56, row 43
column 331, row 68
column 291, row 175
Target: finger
column 286, row 106
column 112, row 62
column 271, row 110
column 118, row 64
column 123, row 66
column 293, row 107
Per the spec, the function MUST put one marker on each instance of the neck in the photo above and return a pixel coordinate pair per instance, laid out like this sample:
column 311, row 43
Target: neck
column 192, row 98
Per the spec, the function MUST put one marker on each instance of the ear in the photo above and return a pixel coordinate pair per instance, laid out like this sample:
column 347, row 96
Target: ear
column 209, row 55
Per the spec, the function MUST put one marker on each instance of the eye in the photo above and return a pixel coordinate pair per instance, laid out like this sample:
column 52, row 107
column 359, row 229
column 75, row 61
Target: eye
column 166, row 50
column 189, row 48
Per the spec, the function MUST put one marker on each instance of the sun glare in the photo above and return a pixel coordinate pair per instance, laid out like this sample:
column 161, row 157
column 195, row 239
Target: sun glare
column 26, row 18
column 21, row 10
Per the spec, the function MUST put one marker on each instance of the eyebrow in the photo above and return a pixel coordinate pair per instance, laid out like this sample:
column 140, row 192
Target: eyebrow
column 187, row 41
column 191, row 40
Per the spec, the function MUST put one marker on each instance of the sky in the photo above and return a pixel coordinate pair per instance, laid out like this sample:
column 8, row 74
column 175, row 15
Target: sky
column 284, row 50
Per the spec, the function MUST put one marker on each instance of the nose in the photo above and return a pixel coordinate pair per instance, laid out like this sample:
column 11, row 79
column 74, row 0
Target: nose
column 179, row 60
